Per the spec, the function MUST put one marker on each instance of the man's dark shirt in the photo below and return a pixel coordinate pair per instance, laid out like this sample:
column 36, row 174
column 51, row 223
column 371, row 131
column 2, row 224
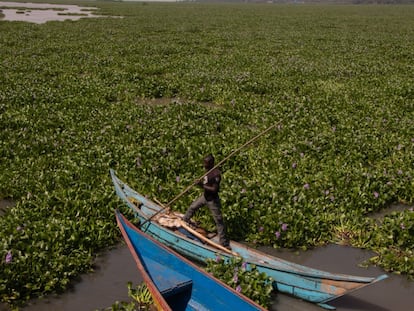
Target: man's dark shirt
column 214, row 177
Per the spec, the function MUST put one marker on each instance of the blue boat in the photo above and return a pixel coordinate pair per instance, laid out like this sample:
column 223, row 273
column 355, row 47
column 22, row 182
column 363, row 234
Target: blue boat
column 309, row 284
column 174, row 282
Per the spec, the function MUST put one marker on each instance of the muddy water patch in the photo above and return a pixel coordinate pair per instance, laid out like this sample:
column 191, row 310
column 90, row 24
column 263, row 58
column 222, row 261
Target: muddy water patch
column 40, row 13
column 396, row 293
column 5, row 204
column 398, row 208
column 107, row 284
column 97, row 290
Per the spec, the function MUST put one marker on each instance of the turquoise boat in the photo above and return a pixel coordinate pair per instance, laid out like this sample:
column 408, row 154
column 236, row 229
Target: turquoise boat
column 174, row 282
column 312, row 285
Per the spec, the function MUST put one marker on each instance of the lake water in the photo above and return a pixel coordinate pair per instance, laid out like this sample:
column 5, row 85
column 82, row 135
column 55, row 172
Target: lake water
column 99, row 290
column 116, row 267
column 107, row 284
column 40, row 13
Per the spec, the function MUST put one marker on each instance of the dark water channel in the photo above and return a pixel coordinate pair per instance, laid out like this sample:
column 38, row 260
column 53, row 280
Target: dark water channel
column 107, row 284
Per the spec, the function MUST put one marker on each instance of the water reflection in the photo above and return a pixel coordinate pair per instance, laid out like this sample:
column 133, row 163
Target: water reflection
column 43, row 12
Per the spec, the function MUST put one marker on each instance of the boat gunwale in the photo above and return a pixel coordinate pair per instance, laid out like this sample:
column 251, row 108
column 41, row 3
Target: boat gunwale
column 258, row 259
column 182, row 259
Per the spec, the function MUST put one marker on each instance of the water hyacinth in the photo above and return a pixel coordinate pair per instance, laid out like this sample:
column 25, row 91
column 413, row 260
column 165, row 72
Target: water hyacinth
column 236, row 274
column 9, row 257
column 277, row 234
column 306, row 186
column 235, row 278
column 284, row 227
column 376, row 194
column 110, row 94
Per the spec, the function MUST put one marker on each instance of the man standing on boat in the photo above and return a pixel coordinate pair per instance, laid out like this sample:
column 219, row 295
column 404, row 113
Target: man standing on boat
column 211, row 185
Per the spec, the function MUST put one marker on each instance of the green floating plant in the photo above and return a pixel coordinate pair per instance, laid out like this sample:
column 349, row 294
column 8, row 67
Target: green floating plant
column 141, row 299
column 243, row 277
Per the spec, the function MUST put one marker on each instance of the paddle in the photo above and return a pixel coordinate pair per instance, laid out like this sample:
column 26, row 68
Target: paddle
column 166, row 206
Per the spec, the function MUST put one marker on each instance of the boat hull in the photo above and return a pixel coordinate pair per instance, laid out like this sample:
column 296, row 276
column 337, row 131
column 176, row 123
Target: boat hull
column 174, row 282
column 306, row 283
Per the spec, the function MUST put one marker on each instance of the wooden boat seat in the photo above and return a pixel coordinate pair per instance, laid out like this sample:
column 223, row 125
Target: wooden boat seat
column 168, row 281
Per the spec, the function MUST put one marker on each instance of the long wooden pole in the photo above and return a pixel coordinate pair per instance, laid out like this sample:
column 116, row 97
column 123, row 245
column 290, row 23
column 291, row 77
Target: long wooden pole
column 220, row 163
column 215, row 166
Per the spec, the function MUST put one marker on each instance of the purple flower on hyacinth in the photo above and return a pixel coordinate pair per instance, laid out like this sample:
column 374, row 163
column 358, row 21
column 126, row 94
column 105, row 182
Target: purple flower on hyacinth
column 238, row 289
column 302, row 154
column 235, row 278
column 399, row 172
column 261, row 229
column 332, row 198
column 376, row 194
column 402, row 226
column 306, row 186
column 244, row 265
column 294, row 165
column 218, row 258
column 284, row 227
column 177, row 178
column 277, row 234
column 9, row 257
column 243, row 190
column 19, row 228
column 399, row 147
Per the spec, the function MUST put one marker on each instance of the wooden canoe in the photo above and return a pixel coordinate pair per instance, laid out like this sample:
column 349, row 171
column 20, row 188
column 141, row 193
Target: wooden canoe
column 174, row 282
column 313, row 285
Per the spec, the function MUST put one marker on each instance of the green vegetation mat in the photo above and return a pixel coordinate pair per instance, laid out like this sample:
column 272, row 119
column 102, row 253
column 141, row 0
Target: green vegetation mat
column 151, row 93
